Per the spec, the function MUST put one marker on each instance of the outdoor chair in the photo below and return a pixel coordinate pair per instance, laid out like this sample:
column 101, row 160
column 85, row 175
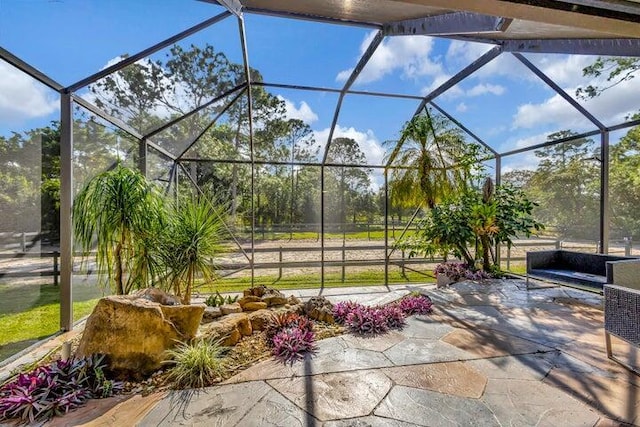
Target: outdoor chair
column 622, row 318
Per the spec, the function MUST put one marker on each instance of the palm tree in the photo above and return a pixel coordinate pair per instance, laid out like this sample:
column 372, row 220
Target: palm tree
column 118, row 211
column 191, row 240
column 434, row 161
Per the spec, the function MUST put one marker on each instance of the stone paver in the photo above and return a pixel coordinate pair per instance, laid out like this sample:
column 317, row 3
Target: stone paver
column 429, row 408
column 214, row 406
column 491, row 343
column 490, row 354
column 528, row 403
column 338, row 395
column 413, row 351
column 454, row 378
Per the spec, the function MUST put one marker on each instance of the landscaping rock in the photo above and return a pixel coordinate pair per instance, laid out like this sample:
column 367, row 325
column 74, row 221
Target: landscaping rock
column 260, row 319
column 253, row 306
column 274, row 300
column 247, row 299
column 229, row 329
column 157, row 295
column 257, row 291
column 292, row 300
column 210, row 314
column 134, row 333
column 319, row 308
column 231, row 308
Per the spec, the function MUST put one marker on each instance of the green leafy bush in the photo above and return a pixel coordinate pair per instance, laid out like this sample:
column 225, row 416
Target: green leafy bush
column 216, row 300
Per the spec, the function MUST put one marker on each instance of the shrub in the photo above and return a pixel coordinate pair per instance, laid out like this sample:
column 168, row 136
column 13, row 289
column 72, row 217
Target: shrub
column 287, row 320
column 416, row 305
column 292, row 343
column 367, row 320
column 394, row 315
column 55, row 389
column 197, row 364
column 453, row 270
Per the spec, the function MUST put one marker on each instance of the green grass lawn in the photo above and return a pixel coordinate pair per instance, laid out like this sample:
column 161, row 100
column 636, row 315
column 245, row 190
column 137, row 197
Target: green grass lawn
column 30, row 313
column 307, row 281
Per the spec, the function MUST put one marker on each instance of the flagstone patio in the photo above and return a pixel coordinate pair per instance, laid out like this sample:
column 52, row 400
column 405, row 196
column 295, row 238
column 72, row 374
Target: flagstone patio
column 490, row 354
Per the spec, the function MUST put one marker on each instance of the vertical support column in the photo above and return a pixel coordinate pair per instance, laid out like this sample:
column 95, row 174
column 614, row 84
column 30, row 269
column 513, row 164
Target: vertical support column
column 498, row 182
column 604, row 192
column 247, row 72
column 322, row 224
column 386, row 227
column 66, row 203
column 142, row 156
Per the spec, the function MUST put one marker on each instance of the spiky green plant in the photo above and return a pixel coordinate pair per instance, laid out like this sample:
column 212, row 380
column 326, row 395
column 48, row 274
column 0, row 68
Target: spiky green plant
column 191, row 240
column 118, row 211
column 197, row 364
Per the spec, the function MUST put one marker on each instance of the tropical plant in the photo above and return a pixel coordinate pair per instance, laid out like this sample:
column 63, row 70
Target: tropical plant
column 465, row 220
column 286, row 320
column 192, row 238
column 292, row 343
column 365, row 320
column 415, row 304
column 197, row 364
column 55, row 389
column 435, row 161
column 216, row 300
column 119, row 211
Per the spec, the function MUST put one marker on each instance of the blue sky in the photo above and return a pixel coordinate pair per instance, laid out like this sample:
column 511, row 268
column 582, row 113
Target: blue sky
column 504, row 104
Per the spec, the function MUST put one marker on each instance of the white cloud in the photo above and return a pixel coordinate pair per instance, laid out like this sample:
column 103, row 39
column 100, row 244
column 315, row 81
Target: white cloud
column 367, row 141
column 462, row 107
column 23, row 98
column 482, row 88
column 410, row 54
column 304, row 112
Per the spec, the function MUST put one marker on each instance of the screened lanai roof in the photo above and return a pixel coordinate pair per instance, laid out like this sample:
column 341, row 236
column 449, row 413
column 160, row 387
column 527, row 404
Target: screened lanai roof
column 480, row 20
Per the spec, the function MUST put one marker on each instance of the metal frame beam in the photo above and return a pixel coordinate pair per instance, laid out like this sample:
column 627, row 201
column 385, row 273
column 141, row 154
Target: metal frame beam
column 119, row 124
column 10, row 58
column 454, row 23
column 213, row 122
column 550, row 143
column 233, row 6
column 194, row 111
column 247, row 71
column 463, row 127
column 608, row 47
column 143, row 54
column 604, row 193
column 366, row 56
column 535, row 70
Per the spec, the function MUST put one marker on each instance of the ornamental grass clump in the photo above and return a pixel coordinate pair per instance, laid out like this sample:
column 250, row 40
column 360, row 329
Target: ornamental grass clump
column 55, row 389
column 197, row 364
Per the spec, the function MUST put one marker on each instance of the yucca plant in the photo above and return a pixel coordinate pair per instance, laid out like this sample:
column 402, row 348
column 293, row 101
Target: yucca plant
column 197, row 364
column 192, row 238
column 119, row 211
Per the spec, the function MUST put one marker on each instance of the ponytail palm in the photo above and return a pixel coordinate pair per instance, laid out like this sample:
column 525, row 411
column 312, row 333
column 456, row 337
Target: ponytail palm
column 118, row 211
column 191, row 240
column 435, row 161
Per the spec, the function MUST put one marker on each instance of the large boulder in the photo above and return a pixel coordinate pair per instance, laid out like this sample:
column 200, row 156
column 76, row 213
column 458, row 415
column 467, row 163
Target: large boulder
column 134, row 332
column 260, row 319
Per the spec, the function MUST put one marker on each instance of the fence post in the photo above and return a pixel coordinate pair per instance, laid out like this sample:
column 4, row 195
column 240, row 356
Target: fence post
column 55, row 267
column 24, row 242
column 343, row 260
column 558, row 244
column 280, row 263
column 403, row 270
column 368, row 231
column 508, row 257
column 627, row 246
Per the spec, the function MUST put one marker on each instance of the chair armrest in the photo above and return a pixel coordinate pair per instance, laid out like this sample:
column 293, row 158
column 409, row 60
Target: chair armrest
column 540, row 259
column 621, row 313
column 624, row 273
